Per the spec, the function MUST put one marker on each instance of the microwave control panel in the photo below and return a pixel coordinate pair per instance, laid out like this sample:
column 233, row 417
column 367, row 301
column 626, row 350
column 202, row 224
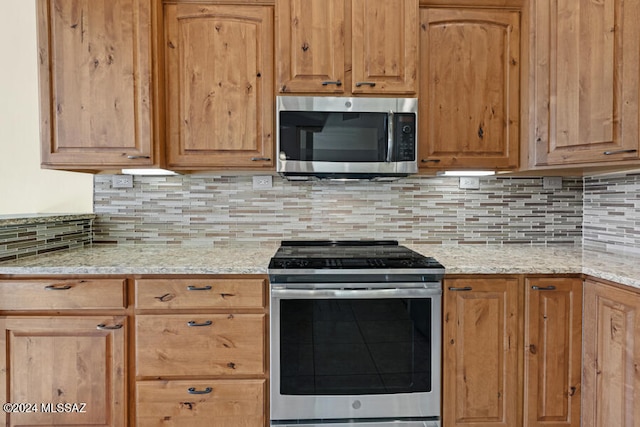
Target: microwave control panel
column 405, row 136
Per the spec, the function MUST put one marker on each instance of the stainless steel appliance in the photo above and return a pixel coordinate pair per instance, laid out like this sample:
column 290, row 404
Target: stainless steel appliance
column 337, row 137
column 355, row 335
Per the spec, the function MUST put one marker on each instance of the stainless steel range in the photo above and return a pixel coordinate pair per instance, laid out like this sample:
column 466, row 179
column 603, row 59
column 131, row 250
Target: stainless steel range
column 355, row 335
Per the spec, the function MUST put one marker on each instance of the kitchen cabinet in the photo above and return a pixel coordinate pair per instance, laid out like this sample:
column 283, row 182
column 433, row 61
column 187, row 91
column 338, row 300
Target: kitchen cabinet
column 346, row 47
column 96, row 104
column 611, row 372
column 201, row 351
column 55, row 353
column 469, row 98
column 586, row 57
column 219, row 86
column 512, row 351
column 481, row 341
column 553, row 352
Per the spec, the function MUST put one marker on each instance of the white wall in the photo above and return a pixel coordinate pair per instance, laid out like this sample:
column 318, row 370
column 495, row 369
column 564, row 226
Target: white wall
column 24, row 187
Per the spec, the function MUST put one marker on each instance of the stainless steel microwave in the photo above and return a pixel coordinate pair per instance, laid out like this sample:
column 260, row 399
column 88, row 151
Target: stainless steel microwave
column 346, row 138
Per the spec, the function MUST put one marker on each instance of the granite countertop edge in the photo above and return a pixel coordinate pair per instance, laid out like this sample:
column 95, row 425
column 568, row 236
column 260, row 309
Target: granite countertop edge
column 254, row 259
column 21, row 220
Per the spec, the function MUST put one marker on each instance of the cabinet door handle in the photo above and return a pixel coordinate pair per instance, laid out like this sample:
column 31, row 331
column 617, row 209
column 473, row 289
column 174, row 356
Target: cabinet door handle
column 194, row 323
column 199, row 288
column 371, row 84
column 609, row 153
column 261, row 159
column 543, row 288
column 430, row 160
column 104, row 327
column 57, row 287
column 329, row 82
column 192, row 390
column 465, row 289
column 138, row 157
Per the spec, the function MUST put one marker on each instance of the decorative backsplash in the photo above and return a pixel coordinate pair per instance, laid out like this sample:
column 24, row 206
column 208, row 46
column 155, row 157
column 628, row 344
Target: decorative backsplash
column 42, row 234
column 612, row 213
column 201, row 209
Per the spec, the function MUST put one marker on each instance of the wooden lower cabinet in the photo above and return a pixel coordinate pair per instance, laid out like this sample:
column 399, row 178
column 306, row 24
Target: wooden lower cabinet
column 511, row 353
column 611, row 371
column 553, row 352
column 77, row 362
column 228, row 403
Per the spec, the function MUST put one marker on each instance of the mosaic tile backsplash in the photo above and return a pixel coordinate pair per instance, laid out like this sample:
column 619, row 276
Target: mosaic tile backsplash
column 612, row 213
column 34, row 238
column 210, row 210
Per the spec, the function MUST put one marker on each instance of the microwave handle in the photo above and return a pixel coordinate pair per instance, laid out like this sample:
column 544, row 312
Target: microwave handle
column 390, row 128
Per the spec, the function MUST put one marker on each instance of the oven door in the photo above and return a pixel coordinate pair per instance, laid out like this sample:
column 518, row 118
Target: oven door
column 343, row 354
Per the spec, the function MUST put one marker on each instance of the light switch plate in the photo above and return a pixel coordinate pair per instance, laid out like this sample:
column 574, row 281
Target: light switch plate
column 552, row 182
column 122, row 181
column 469, row 182
column 260, row 182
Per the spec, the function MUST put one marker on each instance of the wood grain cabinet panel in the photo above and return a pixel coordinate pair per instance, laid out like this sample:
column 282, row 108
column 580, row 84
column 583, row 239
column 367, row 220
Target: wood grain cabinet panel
column 480, row 379
column 63, row 294
column 553, row 352
column 346, row 47
column 219, row 73
column 469, row 88
column 237, row 403
column 95, row 83
column 586, row 60
column 64, row 360
column 203, row 344
column 611, row 371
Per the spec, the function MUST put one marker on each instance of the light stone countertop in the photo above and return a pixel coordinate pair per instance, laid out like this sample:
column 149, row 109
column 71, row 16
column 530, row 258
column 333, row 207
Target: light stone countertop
column 254, row 258
column 28, row 219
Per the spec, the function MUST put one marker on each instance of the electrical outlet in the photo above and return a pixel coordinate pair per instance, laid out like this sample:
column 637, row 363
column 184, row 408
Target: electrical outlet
column 469, row 182
column 261, row 182
column 552, row 182
column 122, row 181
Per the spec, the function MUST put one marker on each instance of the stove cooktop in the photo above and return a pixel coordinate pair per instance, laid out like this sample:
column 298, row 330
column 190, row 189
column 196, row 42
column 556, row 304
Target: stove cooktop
column 348, row 255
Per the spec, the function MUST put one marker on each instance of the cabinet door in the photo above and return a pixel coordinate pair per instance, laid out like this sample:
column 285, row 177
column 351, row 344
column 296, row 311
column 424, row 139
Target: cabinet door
column 480, row 381
column 587, row 56
column 64, row 360
column 236, row 403
column 553, row 352
column 469, row 88
column 95, row 83
column 384, row 46
column 310, row 46
column 220, row 86
column 611, row 372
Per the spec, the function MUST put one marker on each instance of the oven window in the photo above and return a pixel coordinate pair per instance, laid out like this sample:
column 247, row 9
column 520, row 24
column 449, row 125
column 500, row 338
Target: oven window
column 347, row 347
column 333, row 137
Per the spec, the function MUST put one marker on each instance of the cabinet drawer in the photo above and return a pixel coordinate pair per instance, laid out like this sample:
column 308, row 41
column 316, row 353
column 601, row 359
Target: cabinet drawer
column 200, row 293
column 209, row 344
column 229, row 403
column 61, row 294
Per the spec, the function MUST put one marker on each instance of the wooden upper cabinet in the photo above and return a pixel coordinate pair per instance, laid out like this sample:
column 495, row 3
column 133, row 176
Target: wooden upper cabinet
column 611, row 371
column 95, row 83
column 480, row 352
column 310, row 40
column 586, row 60
column 219, row 76
column 469, row 88
column 347, row 46
column 553, row 352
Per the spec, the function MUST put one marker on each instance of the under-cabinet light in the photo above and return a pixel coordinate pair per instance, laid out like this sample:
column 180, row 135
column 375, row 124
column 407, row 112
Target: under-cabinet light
column 466, row 173
column 148, row 172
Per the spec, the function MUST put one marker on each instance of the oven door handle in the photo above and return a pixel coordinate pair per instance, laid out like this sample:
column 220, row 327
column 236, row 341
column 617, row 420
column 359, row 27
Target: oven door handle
column 355, row 293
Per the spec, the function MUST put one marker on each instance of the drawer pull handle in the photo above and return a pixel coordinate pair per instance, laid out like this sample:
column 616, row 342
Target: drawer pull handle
column 261, row 159
column 138, row 157
column 430, row 160
column 199, row 288
column 192, row 390
column 609, row 153
column 371, row 84
column 58, row 287
column 465, row 289
column 194, row 323
column 542, row 288
column 104, row 327
column 329, row 82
